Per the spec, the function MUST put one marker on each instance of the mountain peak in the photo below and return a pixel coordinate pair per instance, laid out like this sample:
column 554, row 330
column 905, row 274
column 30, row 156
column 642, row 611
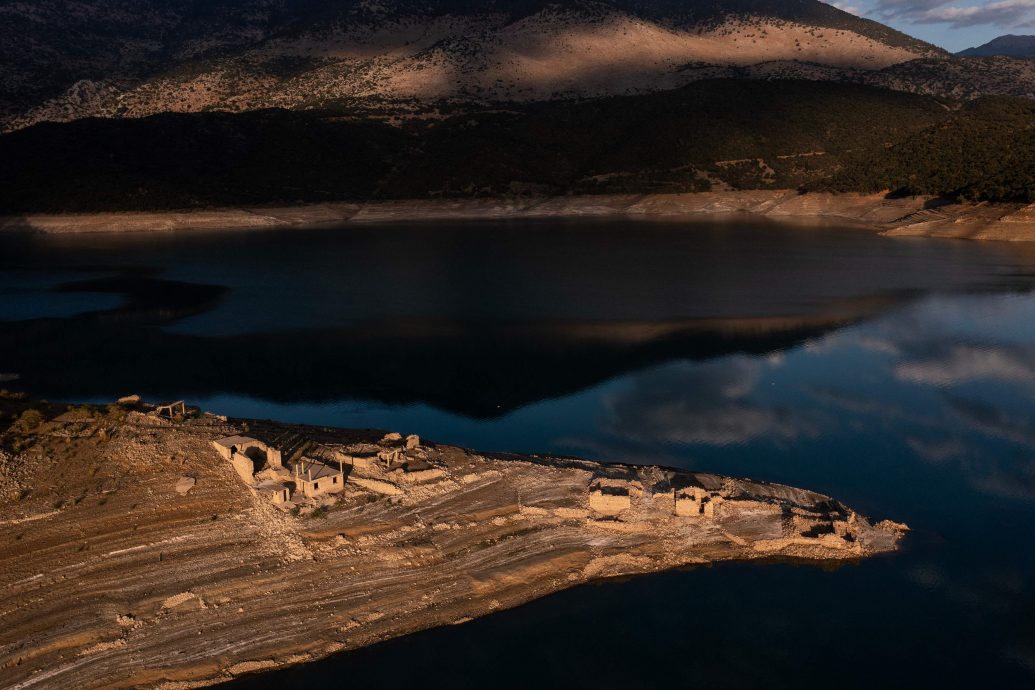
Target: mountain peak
column 1010, row 45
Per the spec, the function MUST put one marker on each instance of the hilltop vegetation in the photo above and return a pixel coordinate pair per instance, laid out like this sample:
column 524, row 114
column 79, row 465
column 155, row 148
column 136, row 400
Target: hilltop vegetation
column 190, row 161
column 717, row 134
column 735, row 133
column 985, row 151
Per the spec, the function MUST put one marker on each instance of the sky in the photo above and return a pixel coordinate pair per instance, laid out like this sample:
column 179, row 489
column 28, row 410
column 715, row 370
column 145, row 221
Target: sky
column 951, row 24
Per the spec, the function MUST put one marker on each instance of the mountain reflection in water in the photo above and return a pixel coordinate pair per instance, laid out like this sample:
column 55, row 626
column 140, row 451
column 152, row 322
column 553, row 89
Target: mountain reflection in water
column 896, row 375
column 476, row 319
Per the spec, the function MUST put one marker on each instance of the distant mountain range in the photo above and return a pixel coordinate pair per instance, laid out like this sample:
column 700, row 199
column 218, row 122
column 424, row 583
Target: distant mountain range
column 1009, row 46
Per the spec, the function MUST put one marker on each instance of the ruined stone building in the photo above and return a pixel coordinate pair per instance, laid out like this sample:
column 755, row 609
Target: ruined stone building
column 277, row 491
column 612, row 496
column 170, row 410
column 248, row 455
column 314, row 478
column 692, row 501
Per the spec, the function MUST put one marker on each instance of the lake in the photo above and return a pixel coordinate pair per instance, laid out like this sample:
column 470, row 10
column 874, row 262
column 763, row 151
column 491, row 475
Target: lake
column 897, row 375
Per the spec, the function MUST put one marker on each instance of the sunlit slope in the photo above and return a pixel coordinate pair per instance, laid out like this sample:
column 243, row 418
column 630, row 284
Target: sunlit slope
column 64, row 61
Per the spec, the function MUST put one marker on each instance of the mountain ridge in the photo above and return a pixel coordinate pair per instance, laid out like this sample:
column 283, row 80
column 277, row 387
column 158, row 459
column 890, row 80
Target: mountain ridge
column 1009, row 45
column 402, row 57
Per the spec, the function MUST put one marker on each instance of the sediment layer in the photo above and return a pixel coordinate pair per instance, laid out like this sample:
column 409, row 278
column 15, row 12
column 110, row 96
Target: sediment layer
column 134, row 555
column 901, row 216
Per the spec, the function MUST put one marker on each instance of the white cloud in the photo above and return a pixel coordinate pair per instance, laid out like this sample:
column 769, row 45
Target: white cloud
column 1004, row 13
column 937, row 451
column 708, row 404
column 850, row 9
column 969, row 363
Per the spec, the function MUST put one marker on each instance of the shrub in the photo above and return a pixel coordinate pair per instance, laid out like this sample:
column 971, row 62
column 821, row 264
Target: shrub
column 29, row 420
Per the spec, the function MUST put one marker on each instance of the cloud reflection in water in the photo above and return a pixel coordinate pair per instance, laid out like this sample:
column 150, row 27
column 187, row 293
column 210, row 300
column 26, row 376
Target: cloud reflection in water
column 707, row 403
column 955, row 394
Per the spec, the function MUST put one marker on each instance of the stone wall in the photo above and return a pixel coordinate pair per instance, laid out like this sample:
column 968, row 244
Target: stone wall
column 377, row 486
column 609, row 504
column 244, row 466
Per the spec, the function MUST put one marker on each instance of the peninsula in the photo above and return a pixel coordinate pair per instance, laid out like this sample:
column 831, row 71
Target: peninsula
column 162, row 547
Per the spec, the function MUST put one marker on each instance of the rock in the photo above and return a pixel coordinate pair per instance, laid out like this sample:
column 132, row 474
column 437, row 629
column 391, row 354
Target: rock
column 393, row 437
column 412, row 441
column 178, row 599
column 129, row 400
column 184, row 485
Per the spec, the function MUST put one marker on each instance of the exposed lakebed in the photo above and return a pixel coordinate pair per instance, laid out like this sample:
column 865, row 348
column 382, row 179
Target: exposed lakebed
column 895, row 374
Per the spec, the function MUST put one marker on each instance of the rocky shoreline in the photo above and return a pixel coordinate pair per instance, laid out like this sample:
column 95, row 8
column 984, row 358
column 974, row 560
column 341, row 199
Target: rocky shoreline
column 916, row 216
column 136, row 555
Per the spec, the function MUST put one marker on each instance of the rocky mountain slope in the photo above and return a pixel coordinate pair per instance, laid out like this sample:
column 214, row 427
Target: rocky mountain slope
column 957, row 78
column 202, row 103
column 64, row 60
column 1009, row 45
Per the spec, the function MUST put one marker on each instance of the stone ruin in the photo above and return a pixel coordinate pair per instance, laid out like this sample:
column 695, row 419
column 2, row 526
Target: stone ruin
column 398, row 453
column 694, row 501
column 659, row 492
column 315, row 479
column 171, row 410
column 248, row 455
column 323, row 471
column 840, row 531
column 610, row 497
column 260, row 466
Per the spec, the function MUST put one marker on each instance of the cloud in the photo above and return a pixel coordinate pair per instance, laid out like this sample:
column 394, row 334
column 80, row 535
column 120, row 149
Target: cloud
column 1004, row 13
column 937, row 451
column 707, row 404
column 850, row 9
column 1010, row 479
column 991, row 420
column 878, row 345
column 900, row 8
column 1008, row 473
column 964, row 363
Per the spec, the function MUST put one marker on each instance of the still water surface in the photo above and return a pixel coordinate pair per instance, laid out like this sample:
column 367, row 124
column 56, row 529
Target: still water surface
column 897, row 375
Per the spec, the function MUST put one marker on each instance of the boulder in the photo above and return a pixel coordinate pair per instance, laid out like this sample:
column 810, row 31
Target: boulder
column 184, row 485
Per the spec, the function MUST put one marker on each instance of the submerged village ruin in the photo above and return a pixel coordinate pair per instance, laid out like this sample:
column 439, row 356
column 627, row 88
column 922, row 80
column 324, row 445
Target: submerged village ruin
column 317, row 477
column 165, row 547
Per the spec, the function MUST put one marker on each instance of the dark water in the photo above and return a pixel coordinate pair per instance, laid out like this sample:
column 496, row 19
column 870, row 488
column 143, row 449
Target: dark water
column 895, row 374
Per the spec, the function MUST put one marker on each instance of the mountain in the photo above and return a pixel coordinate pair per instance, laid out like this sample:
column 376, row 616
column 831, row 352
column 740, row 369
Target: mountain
column 1009, row 46
column 62, row 60
column 151, row 104
column 955, row 78
column 709, row 135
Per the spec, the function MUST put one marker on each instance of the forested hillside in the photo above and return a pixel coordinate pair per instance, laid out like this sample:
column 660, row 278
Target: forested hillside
column 717, row 134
